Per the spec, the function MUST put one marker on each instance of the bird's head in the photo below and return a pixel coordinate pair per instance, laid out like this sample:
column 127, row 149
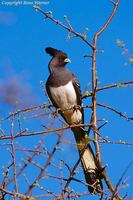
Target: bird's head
column 59, row 56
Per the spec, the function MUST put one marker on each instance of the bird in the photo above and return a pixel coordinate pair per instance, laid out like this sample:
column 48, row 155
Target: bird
column 63, row 90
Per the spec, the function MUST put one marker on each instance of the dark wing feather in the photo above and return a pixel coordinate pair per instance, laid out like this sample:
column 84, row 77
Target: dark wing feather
column 78, row 93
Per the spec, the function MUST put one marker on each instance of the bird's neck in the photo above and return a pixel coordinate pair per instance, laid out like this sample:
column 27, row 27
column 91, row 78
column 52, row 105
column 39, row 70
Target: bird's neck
column 54, row 64
column 55, row 68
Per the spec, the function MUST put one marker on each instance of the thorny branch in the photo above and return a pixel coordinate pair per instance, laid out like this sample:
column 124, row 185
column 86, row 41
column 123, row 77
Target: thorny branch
column 38, row 152
column 13, row 155
column 116, row 85
column 94, row 99
column 68, row 27
column 44, row 167
column 123, row 115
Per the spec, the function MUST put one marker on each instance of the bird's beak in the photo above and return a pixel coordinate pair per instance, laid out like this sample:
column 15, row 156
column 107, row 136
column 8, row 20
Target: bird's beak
column 67, row 60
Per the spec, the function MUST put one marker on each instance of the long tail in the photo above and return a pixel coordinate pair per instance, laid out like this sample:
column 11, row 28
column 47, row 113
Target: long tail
column 92, row 174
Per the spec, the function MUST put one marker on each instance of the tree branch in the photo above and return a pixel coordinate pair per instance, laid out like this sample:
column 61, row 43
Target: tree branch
column 68, row 27
column 94, row 101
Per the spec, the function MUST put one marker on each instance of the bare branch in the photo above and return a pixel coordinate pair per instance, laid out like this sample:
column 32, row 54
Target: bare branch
column 116, row 111
column 44, row 132
column 116, row 85
column 115, row 193
column 13, row 155
column 94, row 101
column 44, row 167
column 68, row 27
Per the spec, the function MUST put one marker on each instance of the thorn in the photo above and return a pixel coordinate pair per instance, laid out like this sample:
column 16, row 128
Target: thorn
column 87, row 56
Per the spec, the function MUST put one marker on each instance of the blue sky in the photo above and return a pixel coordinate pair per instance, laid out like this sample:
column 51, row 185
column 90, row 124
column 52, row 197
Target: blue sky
column 24, row 34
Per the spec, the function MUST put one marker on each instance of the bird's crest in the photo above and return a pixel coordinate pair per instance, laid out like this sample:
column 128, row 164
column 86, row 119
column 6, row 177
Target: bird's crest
column 54, row 52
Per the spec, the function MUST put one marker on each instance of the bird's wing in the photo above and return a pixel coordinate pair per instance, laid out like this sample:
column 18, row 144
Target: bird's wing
column 76, row 85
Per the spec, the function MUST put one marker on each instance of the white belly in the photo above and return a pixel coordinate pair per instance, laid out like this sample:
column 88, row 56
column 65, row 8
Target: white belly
column 65, row 97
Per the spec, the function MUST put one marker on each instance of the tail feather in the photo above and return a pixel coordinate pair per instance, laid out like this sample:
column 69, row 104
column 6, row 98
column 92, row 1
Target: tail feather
column 94, row 182
column 88, row 162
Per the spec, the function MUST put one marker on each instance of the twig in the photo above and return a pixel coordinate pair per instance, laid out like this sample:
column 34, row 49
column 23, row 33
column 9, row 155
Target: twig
column 116, row 111
column 26, row 110
column 69, row 27
column 44, row 167
column 13, row 155
column 2, row 132
column 115, row 193
column 116, row 85
column 72, row 173
column 107, row 22
column 45, row 132
column 13, row 194
column 116, row 142
column 28, row 161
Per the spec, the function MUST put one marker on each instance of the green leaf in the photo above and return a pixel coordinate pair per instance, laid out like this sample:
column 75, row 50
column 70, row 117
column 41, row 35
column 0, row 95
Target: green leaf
column 26, row 129
column 17, row 103
column 87, row 94
column 86, row 29
column 50, row 12
column 41, row 81
column 31, row 198
column 131, row 60
column 120, row 43
column 84, row 36
column 119, row 85
column 35, row 7
column 68, row 37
